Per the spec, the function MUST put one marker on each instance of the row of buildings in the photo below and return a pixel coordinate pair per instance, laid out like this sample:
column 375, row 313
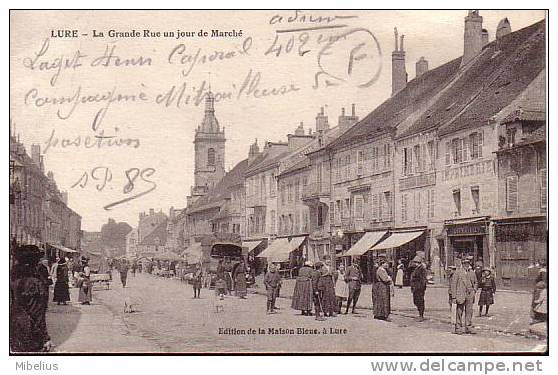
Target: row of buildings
column 39, row 211
column 453, row 164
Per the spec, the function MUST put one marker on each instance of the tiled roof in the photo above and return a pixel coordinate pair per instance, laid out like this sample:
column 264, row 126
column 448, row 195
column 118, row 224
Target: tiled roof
column 222, row 190
column 269, row 158
column 525, row 115
column 450, row 99
column 160, row 232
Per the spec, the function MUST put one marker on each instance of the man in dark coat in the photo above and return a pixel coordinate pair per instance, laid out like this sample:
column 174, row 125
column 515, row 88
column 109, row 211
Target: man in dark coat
column 353, row 277
column 316, row 274
column 28, row 329
column 272, row 281
column 123, row 269
column 418, row 285
column 44, row 275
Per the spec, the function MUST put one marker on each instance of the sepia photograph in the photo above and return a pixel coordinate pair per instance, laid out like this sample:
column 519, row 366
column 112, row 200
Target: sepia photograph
column 278, row 182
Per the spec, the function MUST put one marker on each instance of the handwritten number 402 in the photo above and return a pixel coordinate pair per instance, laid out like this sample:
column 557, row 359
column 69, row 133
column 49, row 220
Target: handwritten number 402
column 277, row 46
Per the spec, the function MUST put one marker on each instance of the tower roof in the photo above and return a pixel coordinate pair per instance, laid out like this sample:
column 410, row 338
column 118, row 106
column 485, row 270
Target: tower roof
column 209, row 124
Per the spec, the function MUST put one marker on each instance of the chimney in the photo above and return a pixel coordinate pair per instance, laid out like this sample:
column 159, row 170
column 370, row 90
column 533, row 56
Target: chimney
column 345, row 122
column 322, row 124
column 398, row 71
column 504, row 28
column 298, row 139
column 484, row 37
column 151, row 211
column 421, row 66
column 254, row 151
column 36, row 154
column 472, row 39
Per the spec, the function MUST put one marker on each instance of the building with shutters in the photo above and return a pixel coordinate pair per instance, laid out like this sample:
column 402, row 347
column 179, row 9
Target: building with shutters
column 521, row 223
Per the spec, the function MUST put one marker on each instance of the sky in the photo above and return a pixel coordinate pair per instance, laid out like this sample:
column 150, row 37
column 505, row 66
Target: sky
column 267, row 74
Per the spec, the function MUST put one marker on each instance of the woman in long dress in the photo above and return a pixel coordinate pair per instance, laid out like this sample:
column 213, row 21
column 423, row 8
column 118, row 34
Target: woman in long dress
column 61, row 287
column 302, row 295
column 341, row 287
column 85, row 295
column 326, row 289
column 381, row 296
column 399, row 274
column 240, row 280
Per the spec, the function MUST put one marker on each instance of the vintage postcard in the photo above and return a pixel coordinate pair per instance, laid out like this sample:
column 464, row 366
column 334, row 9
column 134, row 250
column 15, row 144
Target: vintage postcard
column 284, row 181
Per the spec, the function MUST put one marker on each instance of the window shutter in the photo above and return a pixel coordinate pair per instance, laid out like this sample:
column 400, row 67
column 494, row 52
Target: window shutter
column 388, row 155
column 331, row 212
column 375, row 206
column 511, row 193
column 542, row 180
column 448, row 155
column 359, row 162
column 481, row 142
column 403, row 158
column 465, row 141
column 404, row 207
column 410, row 160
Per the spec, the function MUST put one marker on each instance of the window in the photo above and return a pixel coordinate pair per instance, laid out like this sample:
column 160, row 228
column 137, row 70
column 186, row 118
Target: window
column 457, row 150
column 272, row 185
column 542, row 180
column 417, row 205
column 273, row 221
column 347, row 208
column 407, row 161
column 211, row 157
column 359, row 212
column 263, row 188
column 475, row 195
column 297, row 189
column 360, row 159
column 331, row 212
column 457, row 202
column 347, row 167
column 448, row 153
column 387, row 156
column 338, row 171
column 431, row 155
column 404, row 207
column 511, row 193
column 320, row 217
column 297, row 222
column 510, row 135
column 418, row 158
column 474, row 145
column 290, row 193
column 430, row 203
column 386, row 203
column 374, row 207
column 337, row 210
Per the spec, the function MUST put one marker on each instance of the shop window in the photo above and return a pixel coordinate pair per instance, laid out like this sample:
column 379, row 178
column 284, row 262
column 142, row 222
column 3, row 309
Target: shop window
column 475, row 195
column 511, row 193
column 457, row 202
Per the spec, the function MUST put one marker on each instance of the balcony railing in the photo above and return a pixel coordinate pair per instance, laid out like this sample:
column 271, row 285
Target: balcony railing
column 421, row 180
column 315, row 190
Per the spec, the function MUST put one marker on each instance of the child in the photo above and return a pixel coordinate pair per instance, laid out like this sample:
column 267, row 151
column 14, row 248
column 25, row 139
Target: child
column 487, row 285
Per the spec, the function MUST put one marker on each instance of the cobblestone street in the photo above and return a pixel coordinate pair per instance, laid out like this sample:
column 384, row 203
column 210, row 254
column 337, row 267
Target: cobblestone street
column 168, row 319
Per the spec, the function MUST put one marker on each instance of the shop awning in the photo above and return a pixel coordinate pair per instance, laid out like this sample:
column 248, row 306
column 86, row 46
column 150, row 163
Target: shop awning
column 296, row 242
column 251, row 245
column 397, row 239
column 278, row 251
column 193, row 253
column 465, row 221
column 368, row 240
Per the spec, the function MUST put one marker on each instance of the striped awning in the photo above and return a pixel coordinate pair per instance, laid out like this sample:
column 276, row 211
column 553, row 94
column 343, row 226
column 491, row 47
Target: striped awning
column 365, row 243
column 397, row 239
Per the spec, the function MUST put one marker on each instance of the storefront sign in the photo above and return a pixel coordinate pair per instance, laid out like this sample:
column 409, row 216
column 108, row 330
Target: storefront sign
column 472, row 229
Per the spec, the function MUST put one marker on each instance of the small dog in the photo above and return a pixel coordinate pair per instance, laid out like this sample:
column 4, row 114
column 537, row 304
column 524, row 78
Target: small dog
column 130, row 304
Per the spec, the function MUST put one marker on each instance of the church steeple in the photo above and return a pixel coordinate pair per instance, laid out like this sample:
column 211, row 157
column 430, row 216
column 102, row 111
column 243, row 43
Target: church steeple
column 210, row 124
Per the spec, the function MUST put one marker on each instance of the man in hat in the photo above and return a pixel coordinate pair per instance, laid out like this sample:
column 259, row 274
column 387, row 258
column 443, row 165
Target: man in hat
column 463, row 288
column 353, row 277
column 272, row 281
column 418, row 285
column 43, row 271
column 316, row 274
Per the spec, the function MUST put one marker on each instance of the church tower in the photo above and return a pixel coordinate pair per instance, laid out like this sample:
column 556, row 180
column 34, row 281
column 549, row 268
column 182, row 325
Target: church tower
column 209, row 149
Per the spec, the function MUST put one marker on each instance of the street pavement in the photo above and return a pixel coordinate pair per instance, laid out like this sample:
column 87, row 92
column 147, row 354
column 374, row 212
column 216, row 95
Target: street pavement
column 168, row 319
column 510, row 314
